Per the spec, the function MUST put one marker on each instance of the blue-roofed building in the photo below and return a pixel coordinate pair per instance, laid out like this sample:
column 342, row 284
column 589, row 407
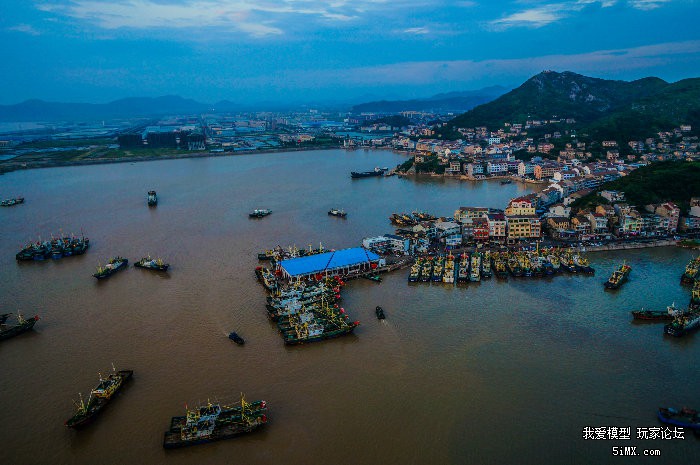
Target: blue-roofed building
column 346, row 262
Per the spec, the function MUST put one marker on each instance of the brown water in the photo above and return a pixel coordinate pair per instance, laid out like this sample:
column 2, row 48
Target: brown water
column 497, row 372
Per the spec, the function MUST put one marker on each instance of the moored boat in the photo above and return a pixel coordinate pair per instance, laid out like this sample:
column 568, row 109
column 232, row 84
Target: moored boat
column 152, row 199
column 657, row 315
column 366, row 174
column 475, row 267
column 115, row 264
column 683, row 323
column 685, row 417
column 3, row 317
column 213, row 422
column 340, row 213
column 414, row 274
column 618, row 277
column 152, row 264
column 99, row 398
column 380, row 313
column 12, row 202
column 259, row 213
column 691, row 272
column 236, row 338
column 22, row 326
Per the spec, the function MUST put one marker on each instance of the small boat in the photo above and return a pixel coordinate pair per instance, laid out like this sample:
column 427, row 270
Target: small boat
column 337, row 212
column 375, row 277
column 3, row 317
column 11, row 202
column 380, row 313
column 152, row 199
column 115, row 264
column 236, row 338
column 618, row 277
column 685, row 417
column 21, row 327
column 657, row 315
column 259, row 213
column 506, row 181
column 367, row 174
column 152, row 264
column 99, row 398
column 213, row 422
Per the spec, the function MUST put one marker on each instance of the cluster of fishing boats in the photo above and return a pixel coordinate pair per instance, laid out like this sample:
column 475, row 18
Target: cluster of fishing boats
column 692, row 271
column 404, row 219
column 22, row 326
column 682, row 321
column 307, row 311
column 279, row 253
column 119, row 263
column 11, row 202
column 618, row 277
column 477, row 265
column 57, row 247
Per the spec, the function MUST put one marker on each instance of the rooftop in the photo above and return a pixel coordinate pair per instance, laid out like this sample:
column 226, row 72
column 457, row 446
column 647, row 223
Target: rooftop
column 327, row 261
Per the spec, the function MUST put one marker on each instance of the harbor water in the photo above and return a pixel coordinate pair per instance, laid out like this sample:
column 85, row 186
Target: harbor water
column 497, row 372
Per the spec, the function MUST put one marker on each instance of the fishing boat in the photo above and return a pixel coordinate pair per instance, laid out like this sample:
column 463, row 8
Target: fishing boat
column 499, row 265
column 618, row 277
column 12, row 202
column 152, row 199
column 657, row 315
column 55, row 248
column 152, row 264
column 695, row 297
column 315, row 332
column 475, row 273
column 4, row 317
column 463, row 270
column 426, row 270
column 380, row 313
column 6, row 332
column 438, row 269
column 683, row 323
column 266, row 278
column 486, row 265
column 685, row 417
column 554, row 261
column 506, row 181
column 367, row 174
column 414, row 274
column 259, row 213
column 448, row 275
column 236, row 338
column 691, row 271
column 337, row 212
column 113, row 265
column 583, row 265
column 213, row 422
column 99, row 397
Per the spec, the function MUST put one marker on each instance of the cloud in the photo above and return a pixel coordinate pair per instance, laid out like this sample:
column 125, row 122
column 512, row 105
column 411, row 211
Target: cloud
column 254, row 17
column 543, row 15
column 26, row 29
column 417, row 30
column 647, row 4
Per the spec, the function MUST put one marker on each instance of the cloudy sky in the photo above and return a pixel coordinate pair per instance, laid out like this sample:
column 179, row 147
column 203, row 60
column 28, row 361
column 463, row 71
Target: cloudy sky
column 344, row 50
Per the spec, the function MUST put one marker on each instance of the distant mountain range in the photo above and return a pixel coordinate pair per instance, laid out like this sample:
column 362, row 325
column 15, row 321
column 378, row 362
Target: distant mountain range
column 451, row 101
column 39, row 110
column 603, row 108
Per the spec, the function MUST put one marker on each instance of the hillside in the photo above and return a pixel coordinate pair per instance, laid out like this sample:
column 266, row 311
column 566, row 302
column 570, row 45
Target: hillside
column 566, row 94
column 677, row 103
column 451, row 101
column 676, row 181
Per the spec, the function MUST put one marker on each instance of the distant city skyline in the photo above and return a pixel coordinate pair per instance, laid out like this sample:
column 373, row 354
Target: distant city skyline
column 291, row 51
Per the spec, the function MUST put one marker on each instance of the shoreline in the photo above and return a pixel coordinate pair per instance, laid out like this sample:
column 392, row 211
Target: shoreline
column 8, row 167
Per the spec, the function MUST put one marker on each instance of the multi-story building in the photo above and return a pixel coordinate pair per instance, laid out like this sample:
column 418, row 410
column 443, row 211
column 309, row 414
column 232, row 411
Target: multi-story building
column 498, row 227
column 523, row 227
column 521, row 206
column 466, row 214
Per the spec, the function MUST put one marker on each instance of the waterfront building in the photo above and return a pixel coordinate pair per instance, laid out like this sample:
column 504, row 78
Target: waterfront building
column 523, row 227
column 339, row 262
column 466, row 214
column 521, row 206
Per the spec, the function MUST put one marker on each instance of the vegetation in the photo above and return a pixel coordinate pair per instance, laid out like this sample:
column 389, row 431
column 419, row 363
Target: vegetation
column 432, row 165
column 405, row 166
column 675, row 181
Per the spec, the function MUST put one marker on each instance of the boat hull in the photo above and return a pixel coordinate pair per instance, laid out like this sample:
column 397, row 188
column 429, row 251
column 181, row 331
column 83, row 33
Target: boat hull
column 79, row 421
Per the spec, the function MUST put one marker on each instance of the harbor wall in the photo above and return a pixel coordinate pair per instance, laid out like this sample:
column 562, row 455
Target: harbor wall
column 627, row 245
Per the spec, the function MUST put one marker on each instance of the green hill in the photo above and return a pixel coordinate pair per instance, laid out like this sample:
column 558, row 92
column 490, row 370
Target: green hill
column 675, row 181
column 566, row 94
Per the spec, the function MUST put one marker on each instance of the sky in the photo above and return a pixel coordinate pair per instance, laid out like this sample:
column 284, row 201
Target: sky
column 288, row 51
